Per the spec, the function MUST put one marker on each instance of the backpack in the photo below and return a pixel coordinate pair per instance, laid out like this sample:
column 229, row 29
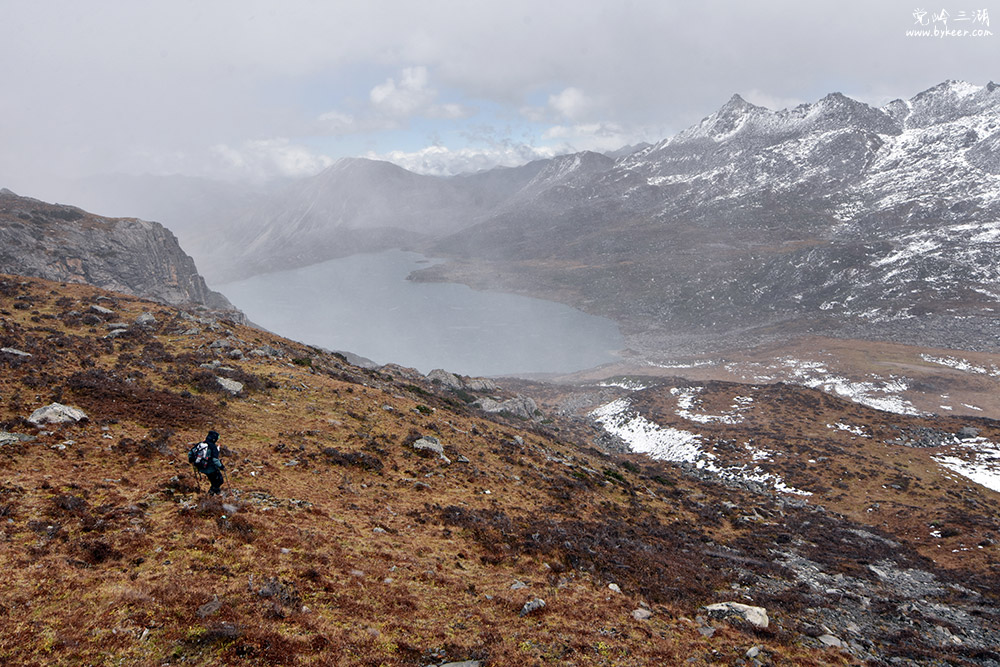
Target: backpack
column 198, row 456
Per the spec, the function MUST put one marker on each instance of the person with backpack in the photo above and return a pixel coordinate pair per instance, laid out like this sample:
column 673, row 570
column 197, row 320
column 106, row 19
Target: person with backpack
column 204, row 456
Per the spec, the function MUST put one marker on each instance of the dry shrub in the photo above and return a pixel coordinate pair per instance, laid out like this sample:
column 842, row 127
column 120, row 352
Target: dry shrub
column 358, row 459
column 110, row 397
column 95, row 552
column 663, row 563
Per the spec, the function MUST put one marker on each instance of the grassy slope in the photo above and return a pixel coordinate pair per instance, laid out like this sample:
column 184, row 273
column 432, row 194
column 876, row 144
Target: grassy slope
column 335, row 543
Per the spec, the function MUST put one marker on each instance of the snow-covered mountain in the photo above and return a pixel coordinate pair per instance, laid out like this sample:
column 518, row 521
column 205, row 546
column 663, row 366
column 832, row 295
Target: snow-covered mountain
column 884, row 220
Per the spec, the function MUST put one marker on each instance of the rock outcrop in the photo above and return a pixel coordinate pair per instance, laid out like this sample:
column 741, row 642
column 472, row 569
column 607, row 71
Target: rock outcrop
column 127, row 255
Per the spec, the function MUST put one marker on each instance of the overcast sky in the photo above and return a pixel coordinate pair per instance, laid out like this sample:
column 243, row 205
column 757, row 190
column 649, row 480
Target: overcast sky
column 238, row 89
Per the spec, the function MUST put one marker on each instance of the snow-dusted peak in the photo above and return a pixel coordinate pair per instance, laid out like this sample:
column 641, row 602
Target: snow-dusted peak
column 567, row 168
column 950, row 100
column 733, row 116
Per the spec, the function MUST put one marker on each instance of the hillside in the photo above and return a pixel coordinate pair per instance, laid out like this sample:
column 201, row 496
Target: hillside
column 342, row 540
column 65, row 243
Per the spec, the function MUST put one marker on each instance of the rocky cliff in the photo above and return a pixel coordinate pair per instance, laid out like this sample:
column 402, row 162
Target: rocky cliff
column 68, row 244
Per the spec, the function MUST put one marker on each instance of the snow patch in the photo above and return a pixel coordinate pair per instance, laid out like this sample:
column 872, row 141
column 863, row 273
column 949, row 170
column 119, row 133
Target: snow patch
column 981, row 462
column 678, row 446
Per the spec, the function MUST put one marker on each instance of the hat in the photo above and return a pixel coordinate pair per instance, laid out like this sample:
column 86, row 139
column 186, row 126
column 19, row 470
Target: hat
column 211, row 437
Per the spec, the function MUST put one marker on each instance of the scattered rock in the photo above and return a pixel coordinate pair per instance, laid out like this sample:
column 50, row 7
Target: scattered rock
column 449, row 380
column 641, row 614
column 101, row 310
column 615, row 587
column 830, row 640
column 428, row 445
column 57, row 413
column 15, row 352
column 14, row 438
column 230, row 386
column 968, row 433
column 756, row 616
column 532, row 606
column 521, row 406
column 518, row 585
column 464, row 663
column 147, row 319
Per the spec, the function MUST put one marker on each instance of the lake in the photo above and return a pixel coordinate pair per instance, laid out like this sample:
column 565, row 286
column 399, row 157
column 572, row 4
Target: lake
column 364, row 304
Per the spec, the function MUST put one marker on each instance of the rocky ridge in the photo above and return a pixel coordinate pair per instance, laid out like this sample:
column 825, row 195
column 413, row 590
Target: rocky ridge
column 67, row 244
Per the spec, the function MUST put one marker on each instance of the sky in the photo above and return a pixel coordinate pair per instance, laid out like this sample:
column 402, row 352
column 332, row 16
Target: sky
column 248, row 90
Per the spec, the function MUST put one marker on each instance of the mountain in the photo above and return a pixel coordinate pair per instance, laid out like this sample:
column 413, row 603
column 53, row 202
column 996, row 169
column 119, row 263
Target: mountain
column 65, row 243
column 357, row 205
column 833, row 216
column 379, row 517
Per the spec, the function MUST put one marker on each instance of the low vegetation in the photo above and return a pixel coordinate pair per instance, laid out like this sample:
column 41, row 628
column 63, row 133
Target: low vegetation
column 337, row 543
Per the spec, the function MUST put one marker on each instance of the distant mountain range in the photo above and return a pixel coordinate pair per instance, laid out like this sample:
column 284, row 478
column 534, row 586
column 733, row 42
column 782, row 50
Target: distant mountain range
column 832, row 216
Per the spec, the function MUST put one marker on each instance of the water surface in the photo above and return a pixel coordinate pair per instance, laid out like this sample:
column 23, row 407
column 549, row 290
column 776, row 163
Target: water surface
column 364, row 304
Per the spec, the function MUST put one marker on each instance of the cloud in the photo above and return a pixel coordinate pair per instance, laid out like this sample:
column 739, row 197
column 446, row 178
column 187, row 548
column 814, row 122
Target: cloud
column 571, row 103
column 442, row 161
column 267, row 159
column 404, row 98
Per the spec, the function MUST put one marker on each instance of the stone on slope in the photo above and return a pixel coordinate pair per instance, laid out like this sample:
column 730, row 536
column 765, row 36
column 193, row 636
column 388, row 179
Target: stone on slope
column 57, row 413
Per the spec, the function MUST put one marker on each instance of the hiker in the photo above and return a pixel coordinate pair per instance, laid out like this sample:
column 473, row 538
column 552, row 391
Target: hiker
column 204, row 456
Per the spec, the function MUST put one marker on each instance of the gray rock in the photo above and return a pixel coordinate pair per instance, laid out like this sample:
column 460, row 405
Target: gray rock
column 967, row 433
column 830, row 640
column 642, row 614
column 57, row 413
column 464, row 663
column 522, row 406
column 449, row 380
column 266, row 351
column 428, row 445
column 756, row 616
column 147, row 319
column 14, row 438
column 101, row 310
column 532, row 606
column 15, row 352
column 518, row 585
column 230, row 386
column 480, row 384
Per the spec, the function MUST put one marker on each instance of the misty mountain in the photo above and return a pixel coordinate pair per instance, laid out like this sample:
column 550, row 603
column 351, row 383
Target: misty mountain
column 832, row 214
column 67, row 244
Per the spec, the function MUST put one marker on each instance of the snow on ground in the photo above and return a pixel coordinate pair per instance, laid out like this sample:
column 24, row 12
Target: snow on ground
column 623, row 383
column 876, row 392
column 688, row 401
column 856, row 430
column 666, row 443
column 981, row 465
column 962, row 365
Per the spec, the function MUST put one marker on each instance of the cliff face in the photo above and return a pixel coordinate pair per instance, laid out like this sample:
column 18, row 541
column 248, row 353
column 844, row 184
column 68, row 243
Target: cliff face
column 68, row 244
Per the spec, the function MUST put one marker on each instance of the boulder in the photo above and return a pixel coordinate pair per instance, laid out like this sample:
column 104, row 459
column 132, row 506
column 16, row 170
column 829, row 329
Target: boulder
column 147, row 319
column 532, row 606
column 231, row 387
column 522, row 406
column 15, row 352
column 756, row 616
column 449, row 380
column 428, row 445
column 57, row 413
